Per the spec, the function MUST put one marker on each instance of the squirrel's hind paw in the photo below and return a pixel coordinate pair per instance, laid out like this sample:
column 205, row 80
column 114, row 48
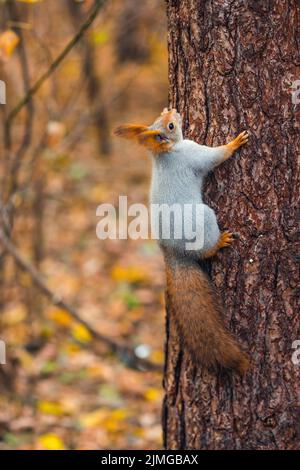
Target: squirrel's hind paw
column 226, row 239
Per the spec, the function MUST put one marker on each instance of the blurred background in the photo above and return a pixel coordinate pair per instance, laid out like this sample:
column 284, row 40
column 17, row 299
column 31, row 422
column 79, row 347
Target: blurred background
column 62, row 387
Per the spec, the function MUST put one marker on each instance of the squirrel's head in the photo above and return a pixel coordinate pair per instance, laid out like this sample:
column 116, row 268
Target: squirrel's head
column 160, row 136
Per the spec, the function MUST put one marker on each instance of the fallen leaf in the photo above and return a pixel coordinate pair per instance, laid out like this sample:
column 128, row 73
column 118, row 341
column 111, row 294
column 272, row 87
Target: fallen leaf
column 60, row 316
column 93, row 419
column 114, row 422
column 129, row 274
column 8, row 42
column 157, row 356
column 81, row 333
column 152, row 394
column 50, row 407
column 99, row 37
column 51, row 441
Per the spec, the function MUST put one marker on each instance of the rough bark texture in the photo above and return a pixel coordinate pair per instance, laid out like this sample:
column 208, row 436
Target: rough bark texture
column 231, row 67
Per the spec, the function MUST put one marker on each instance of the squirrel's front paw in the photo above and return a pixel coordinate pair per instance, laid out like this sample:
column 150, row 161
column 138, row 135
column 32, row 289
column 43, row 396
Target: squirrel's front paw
column 241, row 139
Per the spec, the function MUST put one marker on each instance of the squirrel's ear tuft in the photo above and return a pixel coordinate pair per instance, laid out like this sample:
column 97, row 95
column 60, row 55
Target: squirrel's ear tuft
column 130, row 131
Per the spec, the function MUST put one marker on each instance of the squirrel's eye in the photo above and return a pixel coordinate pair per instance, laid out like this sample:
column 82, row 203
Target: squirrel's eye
column 171, row 126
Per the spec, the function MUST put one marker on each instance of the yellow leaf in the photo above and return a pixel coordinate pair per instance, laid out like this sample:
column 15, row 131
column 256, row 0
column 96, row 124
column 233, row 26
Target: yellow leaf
column 118, row 415
column 114, row 421
column 49, row 407
column 47, row 331
column 99, row 37
column 51, row 441
column 81, row 333
column 60, row 316
column 93, row 419
column 157, row 356
column 152, row 394
column 8, row 42
column 112, row 426
column 111, row 421
column 130, row 274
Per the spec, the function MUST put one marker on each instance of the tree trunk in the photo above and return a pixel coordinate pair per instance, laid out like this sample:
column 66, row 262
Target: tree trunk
column 231, row 67
column 131, row 40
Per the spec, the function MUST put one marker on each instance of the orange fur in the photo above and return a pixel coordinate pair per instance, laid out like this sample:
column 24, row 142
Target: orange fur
column 157, row 140
column 168, row 116
column 225, row 239
column 198, row 315
column 235, row 144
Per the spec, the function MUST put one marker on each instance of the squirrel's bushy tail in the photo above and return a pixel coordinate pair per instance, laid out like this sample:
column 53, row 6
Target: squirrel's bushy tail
column 198, row 316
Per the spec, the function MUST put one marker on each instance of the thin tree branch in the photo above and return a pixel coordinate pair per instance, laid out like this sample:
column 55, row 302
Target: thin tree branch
column 125, row 353
column 99, row 4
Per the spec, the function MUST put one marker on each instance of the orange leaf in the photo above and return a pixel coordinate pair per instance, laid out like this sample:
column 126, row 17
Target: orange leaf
column 8, row 42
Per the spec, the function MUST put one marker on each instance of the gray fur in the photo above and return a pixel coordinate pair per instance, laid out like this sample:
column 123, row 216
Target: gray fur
column 177, row 178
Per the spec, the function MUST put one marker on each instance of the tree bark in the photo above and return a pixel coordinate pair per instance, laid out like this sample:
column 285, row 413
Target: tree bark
column 231, row 67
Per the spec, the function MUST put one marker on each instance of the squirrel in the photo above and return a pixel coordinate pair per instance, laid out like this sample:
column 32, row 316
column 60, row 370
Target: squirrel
column 179, row 168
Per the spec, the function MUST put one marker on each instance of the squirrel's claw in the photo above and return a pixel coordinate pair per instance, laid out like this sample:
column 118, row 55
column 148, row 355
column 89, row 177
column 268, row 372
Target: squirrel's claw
column 242, row 138
column 226, row 239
